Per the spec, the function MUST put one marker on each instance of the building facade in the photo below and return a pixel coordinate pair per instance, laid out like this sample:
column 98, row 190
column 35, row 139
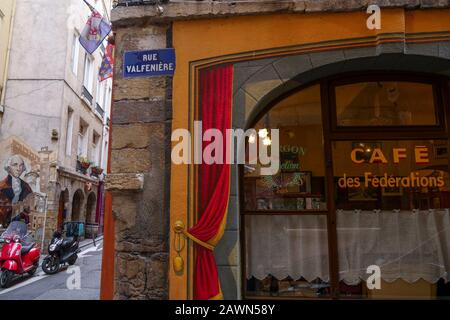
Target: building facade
column 354, row 104
column 6, row 15
column 56, row 113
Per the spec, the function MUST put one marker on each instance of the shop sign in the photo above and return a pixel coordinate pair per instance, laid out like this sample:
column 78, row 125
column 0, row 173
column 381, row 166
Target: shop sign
column 289, row 155
column 420, row 155
column 149, row 63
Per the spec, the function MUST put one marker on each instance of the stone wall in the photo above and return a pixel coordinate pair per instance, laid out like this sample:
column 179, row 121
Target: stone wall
column 140, row 171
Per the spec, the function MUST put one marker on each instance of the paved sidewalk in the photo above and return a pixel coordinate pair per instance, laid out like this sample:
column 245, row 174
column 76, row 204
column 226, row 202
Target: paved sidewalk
column 60, row 286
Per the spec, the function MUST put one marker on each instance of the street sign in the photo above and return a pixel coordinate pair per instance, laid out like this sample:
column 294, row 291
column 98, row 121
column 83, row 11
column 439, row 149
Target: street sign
column 149, row 63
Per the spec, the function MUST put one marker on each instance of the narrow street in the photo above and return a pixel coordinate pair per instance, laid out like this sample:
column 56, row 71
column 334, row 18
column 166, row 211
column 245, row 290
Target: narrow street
column 63, row 285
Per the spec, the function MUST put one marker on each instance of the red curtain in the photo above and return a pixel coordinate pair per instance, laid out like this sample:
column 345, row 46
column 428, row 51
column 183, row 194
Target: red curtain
column 213, row 181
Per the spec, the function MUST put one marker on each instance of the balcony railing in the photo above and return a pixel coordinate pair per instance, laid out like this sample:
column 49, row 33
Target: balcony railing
column 85, row 93
column 99, row 110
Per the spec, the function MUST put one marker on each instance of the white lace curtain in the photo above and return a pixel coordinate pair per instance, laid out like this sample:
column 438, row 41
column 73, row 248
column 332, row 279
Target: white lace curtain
column 407, row 245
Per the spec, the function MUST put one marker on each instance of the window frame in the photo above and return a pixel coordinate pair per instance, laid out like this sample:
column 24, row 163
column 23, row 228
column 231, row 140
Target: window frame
column 69, row 131
column 88, row 82
column 75, row 57
column 340, row 132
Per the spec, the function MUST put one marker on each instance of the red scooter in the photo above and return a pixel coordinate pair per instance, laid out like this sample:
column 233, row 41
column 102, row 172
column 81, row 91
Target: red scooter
column 18, row 256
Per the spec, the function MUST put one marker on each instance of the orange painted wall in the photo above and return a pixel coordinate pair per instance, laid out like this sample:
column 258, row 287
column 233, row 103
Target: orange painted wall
column 204, row 39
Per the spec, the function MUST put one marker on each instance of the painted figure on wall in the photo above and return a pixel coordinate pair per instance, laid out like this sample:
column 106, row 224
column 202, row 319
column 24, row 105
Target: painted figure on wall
column 12, row 189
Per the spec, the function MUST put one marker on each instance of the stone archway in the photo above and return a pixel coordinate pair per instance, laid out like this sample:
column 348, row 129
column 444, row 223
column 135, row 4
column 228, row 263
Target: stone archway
column 257, row 83
column 77, row 205
column 62, row 209
column 91, row 206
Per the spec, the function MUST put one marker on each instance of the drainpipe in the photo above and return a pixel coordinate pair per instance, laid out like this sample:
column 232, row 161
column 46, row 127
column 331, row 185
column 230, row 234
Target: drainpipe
column 5, row 77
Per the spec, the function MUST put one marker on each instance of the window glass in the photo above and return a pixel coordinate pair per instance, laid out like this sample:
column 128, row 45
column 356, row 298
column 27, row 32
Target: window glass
column 88, row 73
column 385, row 103
column 393, row 200
column 287, row 256
column 299, row 185
column 75, row 52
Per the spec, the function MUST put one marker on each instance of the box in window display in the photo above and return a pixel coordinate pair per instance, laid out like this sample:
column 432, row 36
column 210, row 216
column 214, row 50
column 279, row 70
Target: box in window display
column 300, row 203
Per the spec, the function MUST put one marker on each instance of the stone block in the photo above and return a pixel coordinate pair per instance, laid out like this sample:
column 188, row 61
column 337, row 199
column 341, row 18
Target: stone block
column 137, row 135
column 157, row 269
column 319, row 59
column 433, row 3
column 124, row 182
column 125, row 207
column 243, row 104
column 444, row 50
column 422, row 49
column 152, row 220
column 139, row 38
column 262, row 82
column 144, row 246
column 360, row 52
column 140, row 111
column 394, row 47
column 149, row 89
column 291, row 66
column 129, row 266
column 241, row 73
column 130, row 160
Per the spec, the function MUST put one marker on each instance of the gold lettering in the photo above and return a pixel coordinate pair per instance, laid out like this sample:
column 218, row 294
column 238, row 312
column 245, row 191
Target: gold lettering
column 353, row 155
column 399, row 153
column 421, row 153
column 377, row 156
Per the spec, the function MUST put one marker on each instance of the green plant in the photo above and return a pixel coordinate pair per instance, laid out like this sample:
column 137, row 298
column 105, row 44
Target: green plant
column 84, row 161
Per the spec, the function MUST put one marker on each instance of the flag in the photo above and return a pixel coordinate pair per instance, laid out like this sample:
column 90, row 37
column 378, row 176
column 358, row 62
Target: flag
column 95, row 31
column 106, row 68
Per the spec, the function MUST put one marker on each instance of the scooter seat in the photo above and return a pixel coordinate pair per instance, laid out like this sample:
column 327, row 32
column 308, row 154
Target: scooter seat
column 27, row 247
column 68, row 242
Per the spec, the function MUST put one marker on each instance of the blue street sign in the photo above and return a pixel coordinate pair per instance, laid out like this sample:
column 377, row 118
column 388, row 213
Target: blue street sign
column 149, row 63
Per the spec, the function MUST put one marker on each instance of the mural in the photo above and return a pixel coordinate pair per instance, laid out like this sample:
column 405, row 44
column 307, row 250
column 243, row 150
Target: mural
column 13, row 189
column 19, row 181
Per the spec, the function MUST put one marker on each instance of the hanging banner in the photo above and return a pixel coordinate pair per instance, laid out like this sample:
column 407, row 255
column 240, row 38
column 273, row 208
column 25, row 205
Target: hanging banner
column 149, row 63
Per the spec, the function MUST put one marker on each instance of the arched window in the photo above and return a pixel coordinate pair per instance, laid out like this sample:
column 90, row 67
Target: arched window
column 363, row 190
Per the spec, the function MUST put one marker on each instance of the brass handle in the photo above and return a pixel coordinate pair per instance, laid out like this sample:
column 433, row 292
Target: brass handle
column 179, row 243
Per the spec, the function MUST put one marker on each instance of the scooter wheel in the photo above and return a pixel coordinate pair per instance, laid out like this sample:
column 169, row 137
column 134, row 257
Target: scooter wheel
column 51, row 265
column 33, row 270
column 5, row 278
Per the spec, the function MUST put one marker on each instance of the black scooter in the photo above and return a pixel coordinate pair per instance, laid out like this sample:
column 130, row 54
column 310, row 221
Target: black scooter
column 60, row 251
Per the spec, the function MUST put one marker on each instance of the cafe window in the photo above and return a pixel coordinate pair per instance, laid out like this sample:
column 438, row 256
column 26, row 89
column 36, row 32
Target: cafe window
column 287, row 251
column 392, row 206
column 359, row 187
column 385, row 103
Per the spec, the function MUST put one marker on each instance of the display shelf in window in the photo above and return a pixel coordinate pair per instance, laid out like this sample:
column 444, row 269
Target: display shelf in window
column 293, row 191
